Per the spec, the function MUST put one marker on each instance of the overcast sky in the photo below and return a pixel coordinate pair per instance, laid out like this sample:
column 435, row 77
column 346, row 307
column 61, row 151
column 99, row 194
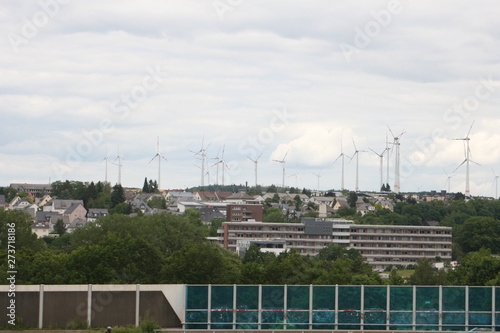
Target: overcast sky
column 78, row 79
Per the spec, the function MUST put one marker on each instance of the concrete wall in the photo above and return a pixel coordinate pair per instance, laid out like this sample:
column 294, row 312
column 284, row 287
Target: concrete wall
column 60, row 306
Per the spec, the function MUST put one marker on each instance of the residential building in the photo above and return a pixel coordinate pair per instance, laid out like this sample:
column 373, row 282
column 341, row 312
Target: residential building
column 244, row 212
column 3, row 203
column 380, row 245
column 212, row 196
column 59, row 205
column 94, row 213
column 76, row 212
column 35, row 189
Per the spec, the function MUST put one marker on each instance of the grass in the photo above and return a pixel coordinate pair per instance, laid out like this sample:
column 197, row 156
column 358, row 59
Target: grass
column 405, row 273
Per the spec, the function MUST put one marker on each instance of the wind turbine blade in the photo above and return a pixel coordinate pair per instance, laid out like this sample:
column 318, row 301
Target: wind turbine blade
column 467, row 136
column 153, row 158
column 379, row 155
column 474, row 162
column 355, row 148
column 258, row 157
column 460, row 165
column 250, row 159
column 391, row 132
column 285, row 156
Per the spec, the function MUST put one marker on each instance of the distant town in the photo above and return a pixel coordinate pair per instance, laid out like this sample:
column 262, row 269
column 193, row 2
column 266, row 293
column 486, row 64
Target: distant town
column 274, row 219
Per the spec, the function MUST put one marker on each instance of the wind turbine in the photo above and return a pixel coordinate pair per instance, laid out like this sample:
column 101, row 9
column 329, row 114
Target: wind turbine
column 495, row 181
column 119, row 164
column 282, row 161
column 255, row 162
column 318, row 175
column 201, row 155
column 106, row 158
column 356, row 153
column 224, row 165
column 397, row 185
column 467, row 160
column 388, row 158
column 296, row 175
column 343, row 156
column 381, row 157
column 448, row 180
column 160, row 156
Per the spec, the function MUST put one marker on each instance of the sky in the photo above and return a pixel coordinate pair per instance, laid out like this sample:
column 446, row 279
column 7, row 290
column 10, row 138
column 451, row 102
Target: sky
column 84, row 80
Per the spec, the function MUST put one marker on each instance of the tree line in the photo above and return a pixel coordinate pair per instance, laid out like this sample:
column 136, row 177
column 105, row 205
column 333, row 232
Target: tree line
column 164, row 248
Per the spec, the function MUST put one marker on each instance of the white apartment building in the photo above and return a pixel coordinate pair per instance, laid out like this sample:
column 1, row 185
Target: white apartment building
column 380, row 245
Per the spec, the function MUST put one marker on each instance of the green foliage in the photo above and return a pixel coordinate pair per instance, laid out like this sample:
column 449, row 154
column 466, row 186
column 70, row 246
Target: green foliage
column 272, row 214
column 157, row 202
column 148, row 324
column 193, row 216
column 60, row 227
column 477, row 269
column 117, row 196
column 352, row 198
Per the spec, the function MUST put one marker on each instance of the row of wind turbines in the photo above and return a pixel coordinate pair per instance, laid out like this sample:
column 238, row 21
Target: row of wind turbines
column 391, row 146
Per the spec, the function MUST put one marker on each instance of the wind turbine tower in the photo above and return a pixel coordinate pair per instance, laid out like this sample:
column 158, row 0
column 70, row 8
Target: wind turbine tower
column 202, row 155
column 342, row 155
column 381, row 158
column 397, row 184
column 160, row 156
column 224, row 165
column 318, row 175
column 448, row 181
column 356, row 153
column 466, row 161
column 119, row 164
column 106, row 158
column 282, row 161
column 255, row 162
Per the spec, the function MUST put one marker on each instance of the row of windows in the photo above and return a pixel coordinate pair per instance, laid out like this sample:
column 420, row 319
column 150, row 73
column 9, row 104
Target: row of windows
column 410, row 246
column 403, row 238
column 411, row 253
column 400, row 231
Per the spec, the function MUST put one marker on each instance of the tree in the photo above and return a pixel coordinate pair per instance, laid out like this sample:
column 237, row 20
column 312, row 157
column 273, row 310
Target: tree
column 352, row 199
column 424, row 274
column 117, row 196
column 478, row 268
column 157, row 202
column 60, row 227
column 145, row 187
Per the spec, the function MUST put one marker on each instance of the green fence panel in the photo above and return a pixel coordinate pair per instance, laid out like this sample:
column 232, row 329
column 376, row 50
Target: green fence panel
column 323, row 298
column 479, row 320
column 196, row 316
column 427, row 321
column 401, row 320
column 222, row 297
column 297, row 298
column 401, row 298
column 247, row 297
column 221, row 316
column 349, row 298
column 480, row 299
column 375, row 298
column 197, row 297
column 272, row 319
column 273, row 297
column 453, row 298
column 427, row 298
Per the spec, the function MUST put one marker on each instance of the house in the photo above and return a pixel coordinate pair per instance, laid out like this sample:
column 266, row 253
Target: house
column 208, row 214
column 41, row 229
column 212, row 196
column 94, row 213
column 244, row 212
column 43, row 200
column 240, row 197
column 22, row 204
column 75, row 212
column 75, row 224
column 385, row 203
column 341, row 202
column 35, row 189
column 179, row 195
column 363, row 207
column 59, row 205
